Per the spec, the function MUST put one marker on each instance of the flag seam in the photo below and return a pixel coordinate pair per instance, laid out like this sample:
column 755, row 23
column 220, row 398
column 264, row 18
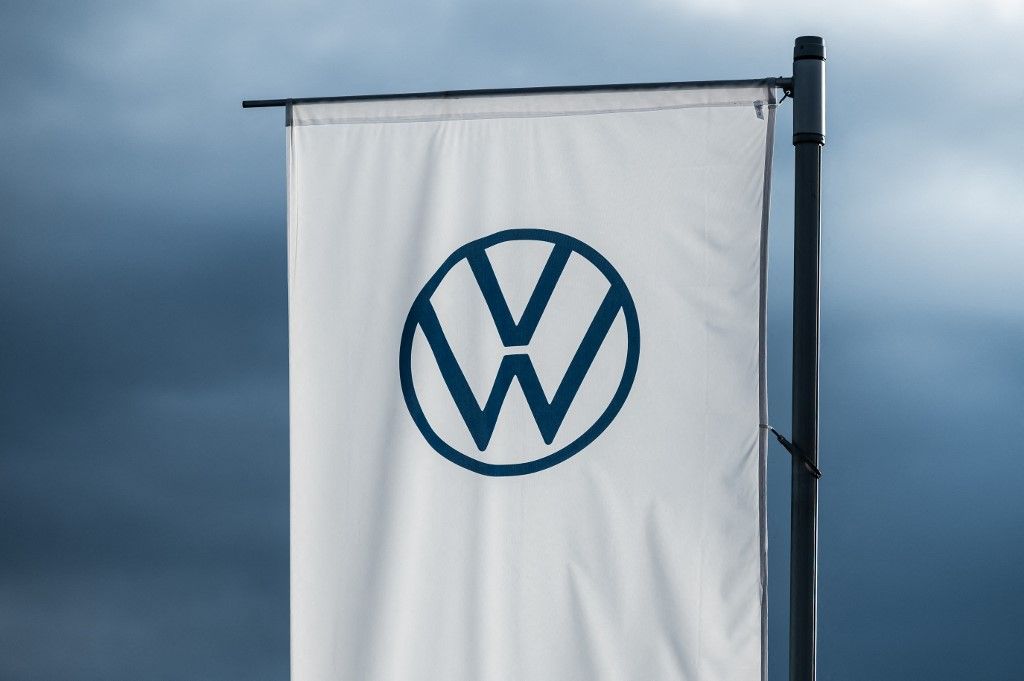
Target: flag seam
column 509, row 114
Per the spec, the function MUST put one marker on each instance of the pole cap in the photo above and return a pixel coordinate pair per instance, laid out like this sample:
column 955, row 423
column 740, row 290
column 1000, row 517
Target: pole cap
column 809, row 47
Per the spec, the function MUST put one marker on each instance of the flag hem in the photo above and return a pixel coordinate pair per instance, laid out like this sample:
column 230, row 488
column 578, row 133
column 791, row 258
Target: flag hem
column 763, row 379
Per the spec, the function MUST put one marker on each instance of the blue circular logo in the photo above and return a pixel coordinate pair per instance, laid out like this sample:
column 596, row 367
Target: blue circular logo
column 549, row 414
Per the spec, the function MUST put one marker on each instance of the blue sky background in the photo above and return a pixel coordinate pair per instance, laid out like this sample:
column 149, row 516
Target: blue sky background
column 143, row 341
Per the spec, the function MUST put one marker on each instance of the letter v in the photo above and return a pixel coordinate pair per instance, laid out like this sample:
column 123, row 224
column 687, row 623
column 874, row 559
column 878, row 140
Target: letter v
column 518, row 334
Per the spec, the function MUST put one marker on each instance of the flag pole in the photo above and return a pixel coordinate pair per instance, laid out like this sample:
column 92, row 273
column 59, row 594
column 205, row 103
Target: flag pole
column 808, row 139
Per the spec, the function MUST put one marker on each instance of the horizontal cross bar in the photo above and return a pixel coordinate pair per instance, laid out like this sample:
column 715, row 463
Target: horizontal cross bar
column 782, row 83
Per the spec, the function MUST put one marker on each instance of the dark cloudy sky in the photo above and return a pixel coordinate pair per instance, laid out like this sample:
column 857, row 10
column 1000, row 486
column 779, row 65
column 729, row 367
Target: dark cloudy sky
column 143, row 345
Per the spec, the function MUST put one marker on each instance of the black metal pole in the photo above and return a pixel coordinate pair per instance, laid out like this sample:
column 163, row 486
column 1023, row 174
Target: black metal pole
column 556, row 89
column 808, row 139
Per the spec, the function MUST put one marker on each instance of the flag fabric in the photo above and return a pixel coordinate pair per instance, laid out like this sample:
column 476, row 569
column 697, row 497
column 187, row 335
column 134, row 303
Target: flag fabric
column 527, row 377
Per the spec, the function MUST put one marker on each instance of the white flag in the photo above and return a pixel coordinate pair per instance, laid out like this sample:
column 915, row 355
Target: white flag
column 527, row 377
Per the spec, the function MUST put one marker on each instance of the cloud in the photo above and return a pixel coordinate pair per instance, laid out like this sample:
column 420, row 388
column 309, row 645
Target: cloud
column 143, row 421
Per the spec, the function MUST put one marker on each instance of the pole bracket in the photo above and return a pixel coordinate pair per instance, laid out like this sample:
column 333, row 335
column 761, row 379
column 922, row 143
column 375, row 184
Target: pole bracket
column 795, row 452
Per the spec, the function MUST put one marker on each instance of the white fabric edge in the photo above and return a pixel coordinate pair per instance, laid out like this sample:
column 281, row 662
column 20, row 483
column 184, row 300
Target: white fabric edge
column 525, row 105
column 763, row 377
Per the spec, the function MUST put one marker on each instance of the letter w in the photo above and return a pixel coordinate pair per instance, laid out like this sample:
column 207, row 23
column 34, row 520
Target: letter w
column 549, row 415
